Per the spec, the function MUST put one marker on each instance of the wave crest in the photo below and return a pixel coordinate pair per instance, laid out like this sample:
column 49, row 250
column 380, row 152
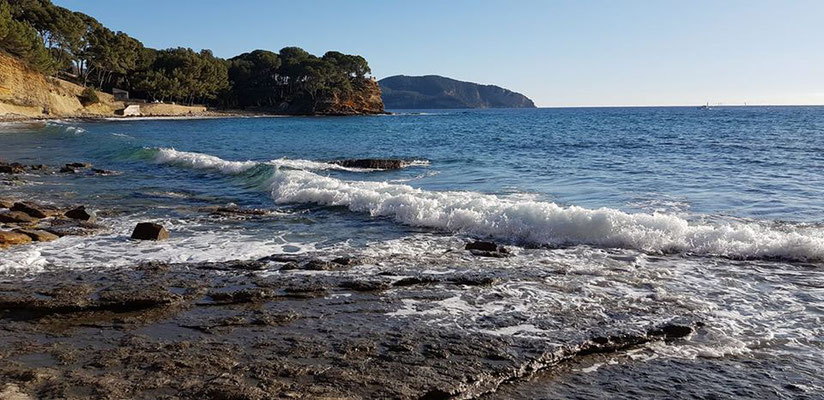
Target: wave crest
column 525, row 221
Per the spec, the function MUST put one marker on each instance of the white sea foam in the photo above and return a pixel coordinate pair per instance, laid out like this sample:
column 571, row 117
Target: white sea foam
column 206, row 161
column 190, row 242
column 527, row 221
column 202, row 161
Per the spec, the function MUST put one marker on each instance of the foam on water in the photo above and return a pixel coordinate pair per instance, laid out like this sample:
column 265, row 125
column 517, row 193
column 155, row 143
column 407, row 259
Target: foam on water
column 206, row 161
column 524, row 221
column 190, row 242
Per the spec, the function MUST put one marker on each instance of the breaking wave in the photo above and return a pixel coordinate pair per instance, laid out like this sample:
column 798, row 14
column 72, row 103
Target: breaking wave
column 205, row 161
column 519, row 220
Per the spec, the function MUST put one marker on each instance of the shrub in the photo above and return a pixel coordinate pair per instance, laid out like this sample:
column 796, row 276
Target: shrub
column 89, row 96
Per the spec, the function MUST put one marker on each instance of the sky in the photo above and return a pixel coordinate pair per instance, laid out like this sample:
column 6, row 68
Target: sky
column 558, row 53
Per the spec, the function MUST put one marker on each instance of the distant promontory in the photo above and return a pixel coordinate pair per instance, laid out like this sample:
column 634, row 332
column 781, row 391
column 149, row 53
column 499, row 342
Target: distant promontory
column 433, row 91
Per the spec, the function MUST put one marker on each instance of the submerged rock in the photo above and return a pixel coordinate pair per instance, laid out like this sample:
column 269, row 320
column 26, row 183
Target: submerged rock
column 80, row 214
column 373, row 163
column 78, row 165
column 99, row 171
column 70, row 227
column 487, row 249
column 8, row 238
column 12, row 168
column 150, row 231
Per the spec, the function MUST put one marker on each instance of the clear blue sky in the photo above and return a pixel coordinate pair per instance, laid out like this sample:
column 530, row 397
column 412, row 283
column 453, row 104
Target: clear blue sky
column 559, row 53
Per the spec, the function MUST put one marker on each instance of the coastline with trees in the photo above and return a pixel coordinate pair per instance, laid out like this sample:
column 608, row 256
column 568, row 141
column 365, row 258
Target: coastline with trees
column 74, row 47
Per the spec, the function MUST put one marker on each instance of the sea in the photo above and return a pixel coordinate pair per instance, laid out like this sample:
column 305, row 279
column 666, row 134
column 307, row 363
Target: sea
column 647, row 213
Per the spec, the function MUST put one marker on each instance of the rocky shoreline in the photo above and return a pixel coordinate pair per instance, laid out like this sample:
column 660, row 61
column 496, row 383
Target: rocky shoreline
column 317, row 325
column 262, row 329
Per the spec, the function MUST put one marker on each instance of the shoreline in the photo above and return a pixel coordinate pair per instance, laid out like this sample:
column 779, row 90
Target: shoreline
column 5, row 119
column 246, row 328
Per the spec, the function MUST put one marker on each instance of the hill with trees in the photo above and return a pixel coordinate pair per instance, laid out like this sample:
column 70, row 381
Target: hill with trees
column 433, row 91
column 75, row 47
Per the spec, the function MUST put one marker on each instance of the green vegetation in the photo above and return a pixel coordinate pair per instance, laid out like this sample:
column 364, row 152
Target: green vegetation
column 89, row 96
column 76, row 47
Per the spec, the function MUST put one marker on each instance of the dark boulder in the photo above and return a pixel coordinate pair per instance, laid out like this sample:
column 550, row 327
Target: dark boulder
column 672, row 331
column 373, row 163
column 487, row 249
column 150, row 231
column 39, row 167
column 67, row 170
column 486, row 246
column 80, row 214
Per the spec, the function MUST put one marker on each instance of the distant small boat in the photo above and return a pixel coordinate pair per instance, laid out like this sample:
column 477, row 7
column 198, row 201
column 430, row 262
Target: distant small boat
column 705, row 107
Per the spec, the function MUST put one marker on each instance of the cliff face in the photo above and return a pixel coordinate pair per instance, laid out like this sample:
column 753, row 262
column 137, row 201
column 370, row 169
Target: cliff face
column 432, row 91
column 364, row 100
column 28, row 94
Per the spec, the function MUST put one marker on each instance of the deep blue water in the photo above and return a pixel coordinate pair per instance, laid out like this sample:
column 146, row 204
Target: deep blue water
column 752, row 162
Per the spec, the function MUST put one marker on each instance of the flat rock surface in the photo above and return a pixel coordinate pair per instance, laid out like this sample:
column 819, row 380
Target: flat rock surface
column 244, row 330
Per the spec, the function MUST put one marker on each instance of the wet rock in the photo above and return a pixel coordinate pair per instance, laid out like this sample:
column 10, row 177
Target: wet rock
column 12, row 168
column 672, row 331
column 366, row 285
column 16, row 217
column 313, row 265
column 38, row 235
column 487, row 249
column 249, row 295
column 486, row 246
column 372, row 163
column 98, row 171
column 8, row 238
column 67, row 170
column 78, row 165
column 283, row 258
column 150, row 231
column 6, row 203
column 35, row 210
column 350, row 261
column 234, row 265
column 39, row 167
column 237, row 211
column 473, row 280
column 70, row 227
column 416, row 280
column 81, row 214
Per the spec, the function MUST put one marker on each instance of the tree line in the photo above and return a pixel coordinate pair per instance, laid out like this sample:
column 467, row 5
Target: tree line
column 74, row 46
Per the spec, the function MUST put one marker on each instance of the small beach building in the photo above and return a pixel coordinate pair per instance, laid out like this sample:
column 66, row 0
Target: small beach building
column 120, row 94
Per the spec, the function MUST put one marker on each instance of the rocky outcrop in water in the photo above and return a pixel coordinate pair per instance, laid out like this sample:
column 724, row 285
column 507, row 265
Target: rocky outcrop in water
column 149, row 231
column 373, row 163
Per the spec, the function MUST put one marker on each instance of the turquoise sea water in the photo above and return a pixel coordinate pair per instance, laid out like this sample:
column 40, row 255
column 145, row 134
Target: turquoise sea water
column 717, row 213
